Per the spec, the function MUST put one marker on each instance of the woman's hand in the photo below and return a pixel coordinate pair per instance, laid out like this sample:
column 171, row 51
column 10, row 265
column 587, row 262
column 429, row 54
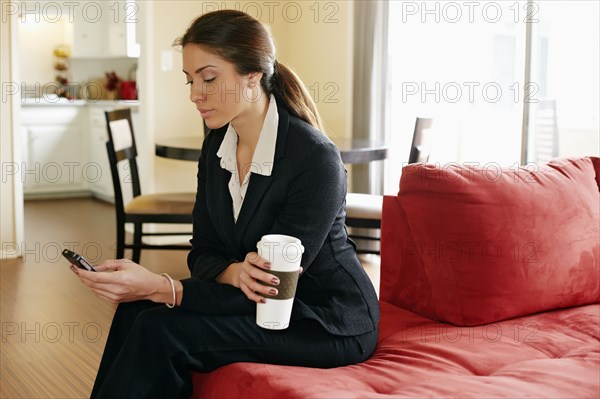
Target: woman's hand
column 246, row 276
column 125, row 281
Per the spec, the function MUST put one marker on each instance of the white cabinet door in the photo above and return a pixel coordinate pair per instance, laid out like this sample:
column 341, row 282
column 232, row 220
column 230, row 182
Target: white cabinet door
column 53, row 159
column 106, row 29
column 89, row 30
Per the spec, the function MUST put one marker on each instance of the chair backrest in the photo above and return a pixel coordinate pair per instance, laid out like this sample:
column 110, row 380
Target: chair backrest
column 546, row 131
column 419, row 150
column 121, row 147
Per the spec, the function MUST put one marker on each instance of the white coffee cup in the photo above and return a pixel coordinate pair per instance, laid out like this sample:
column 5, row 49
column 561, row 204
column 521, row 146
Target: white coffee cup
column 284, row 253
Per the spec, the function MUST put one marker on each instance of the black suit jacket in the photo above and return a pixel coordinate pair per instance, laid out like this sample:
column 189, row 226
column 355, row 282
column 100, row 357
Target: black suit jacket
column 303, row 197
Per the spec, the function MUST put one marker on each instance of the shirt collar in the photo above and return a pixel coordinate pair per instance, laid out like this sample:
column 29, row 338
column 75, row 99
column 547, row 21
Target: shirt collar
column 264, row 154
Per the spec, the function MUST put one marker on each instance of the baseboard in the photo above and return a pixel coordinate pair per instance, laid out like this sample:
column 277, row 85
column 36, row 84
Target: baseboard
column 57, row 195
column 4, row 255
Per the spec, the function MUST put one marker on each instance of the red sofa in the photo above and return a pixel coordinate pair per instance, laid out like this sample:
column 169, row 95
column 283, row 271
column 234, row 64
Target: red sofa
column 490, row 287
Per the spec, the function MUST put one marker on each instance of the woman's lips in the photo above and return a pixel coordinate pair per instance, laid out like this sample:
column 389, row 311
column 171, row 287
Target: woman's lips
column 206, row 113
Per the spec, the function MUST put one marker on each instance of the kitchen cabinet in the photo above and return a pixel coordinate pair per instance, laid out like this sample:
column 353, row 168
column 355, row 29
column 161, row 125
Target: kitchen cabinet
column 106, row 29
column 53, row 160
column 64, row 149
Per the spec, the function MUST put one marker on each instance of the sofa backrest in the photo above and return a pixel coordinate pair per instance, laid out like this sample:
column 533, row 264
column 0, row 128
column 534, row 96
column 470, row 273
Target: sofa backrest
column 473, row 245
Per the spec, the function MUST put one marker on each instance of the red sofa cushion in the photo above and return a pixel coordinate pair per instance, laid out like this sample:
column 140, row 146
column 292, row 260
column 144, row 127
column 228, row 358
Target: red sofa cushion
column 474, row 245
column 548, row 355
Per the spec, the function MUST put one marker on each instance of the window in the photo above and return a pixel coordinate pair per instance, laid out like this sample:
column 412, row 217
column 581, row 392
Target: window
column 464, row 64
column 565, row 65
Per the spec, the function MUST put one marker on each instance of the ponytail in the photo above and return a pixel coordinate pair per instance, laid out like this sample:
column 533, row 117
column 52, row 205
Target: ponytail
column 289, row 89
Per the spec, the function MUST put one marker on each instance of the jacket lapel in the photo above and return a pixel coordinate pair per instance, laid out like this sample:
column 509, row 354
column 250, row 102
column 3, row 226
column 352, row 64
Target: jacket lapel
column 223, row 210
column 259, row 184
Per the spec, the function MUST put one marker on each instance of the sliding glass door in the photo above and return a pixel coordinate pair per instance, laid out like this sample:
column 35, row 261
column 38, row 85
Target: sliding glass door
column 565, row 65
column 491, row 74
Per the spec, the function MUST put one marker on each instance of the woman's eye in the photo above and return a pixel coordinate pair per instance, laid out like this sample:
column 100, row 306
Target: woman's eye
column 209, row 80
column 189, row 82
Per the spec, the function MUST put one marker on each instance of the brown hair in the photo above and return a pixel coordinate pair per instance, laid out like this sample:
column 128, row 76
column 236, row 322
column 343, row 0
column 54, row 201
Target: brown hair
column 242, row 40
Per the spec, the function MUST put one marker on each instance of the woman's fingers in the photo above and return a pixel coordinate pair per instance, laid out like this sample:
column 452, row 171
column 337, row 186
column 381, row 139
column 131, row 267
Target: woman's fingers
column 254, row 259
column 252, row 271
column 119, row 280
column 106, row 285
column 257, row 287
column 253, row 266
column 252, row 276
column 258, row 274
column 250, row 294
column 97, row 277
column 112, row 265
column 103, row 267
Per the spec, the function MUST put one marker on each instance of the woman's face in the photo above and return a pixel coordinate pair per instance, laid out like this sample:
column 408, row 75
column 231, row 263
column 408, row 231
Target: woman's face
column 221, row 94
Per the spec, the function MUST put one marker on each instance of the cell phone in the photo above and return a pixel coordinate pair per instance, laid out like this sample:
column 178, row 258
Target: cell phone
column 78, row 260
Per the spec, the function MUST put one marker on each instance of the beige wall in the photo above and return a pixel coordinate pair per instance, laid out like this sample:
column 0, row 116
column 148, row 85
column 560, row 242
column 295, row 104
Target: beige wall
column 37, row 42
column 165, row 103
column 318, row 46
column 11, row 198
column 320, row 52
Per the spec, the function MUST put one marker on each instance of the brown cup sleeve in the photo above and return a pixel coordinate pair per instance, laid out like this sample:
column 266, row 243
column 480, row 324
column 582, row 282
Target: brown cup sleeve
column 287, row 284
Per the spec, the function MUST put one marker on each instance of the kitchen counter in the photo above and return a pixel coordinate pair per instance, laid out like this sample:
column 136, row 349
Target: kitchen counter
column 45, row 102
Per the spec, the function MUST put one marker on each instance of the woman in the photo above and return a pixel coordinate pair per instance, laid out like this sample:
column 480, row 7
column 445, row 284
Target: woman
column 265, row 168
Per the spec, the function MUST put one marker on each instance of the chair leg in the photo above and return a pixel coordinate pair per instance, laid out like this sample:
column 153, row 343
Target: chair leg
column 367, row 242
column 120, row 254
column 137, row 242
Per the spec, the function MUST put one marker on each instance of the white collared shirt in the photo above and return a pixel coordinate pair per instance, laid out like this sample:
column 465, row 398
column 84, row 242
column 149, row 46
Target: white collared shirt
column 262, row 160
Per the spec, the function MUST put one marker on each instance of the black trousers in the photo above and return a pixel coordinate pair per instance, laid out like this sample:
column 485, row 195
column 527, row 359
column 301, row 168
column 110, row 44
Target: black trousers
column 152, row 350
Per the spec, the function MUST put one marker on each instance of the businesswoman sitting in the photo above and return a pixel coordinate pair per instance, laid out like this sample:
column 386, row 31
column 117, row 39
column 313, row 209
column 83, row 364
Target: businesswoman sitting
column 266, row 168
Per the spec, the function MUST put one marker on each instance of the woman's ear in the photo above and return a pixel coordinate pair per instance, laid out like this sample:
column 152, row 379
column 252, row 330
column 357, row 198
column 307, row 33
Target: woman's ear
column 254, row 78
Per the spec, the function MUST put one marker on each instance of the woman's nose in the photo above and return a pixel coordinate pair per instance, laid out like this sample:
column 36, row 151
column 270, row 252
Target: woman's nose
column 197, row 94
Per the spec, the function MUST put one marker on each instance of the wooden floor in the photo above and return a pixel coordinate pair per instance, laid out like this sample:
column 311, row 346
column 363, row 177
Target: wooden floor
column 53, row 329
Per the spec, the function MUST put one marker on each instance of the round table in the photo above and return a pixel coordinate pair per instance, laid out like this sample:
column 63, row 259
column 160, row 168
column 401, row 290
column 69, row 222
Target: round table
column 353, row 151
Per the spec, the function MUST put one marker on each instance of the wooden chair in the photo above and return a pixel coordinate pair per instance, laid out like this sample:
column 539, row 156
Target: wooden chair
column 171, row 208
column 546, row 131
column 419, row 149
column 364, row 210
